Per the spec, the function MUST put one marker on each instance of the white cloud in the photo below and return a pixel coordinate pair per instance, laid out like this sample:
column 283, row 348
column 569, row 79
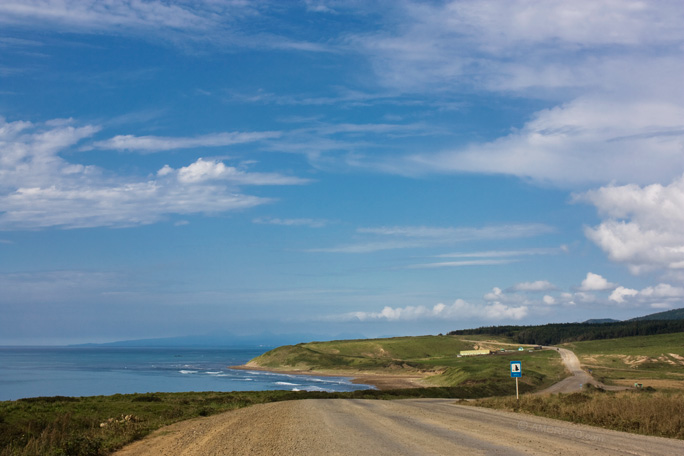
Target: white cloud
column 460, row 309
column 184, row 23
column 662, row 295
column 502, row 253
column 549, row 300
column 612, row 69
column 620, row 293
column 586, row 141
column 494, row 295
column 663, row 290
column 311, row 223
column 642, row 226
column 39, row 188
column 149, row 144
column 594, row 282
column 504, row 44
column 539, row 285
column 462, row 263
column 403, row 237
column 208, row 170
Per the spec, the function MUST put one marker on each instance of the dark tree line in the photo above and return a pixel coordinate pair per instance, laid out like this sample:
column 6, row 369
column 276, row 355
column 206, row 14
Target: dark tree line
column 557, row 333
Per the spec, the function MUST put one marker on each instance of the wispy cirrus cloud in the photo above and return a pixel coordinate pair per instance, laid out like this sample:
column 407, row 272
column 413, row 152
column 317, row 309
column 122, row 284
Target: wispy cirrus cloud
column 151, row 144
column 484, row 258
column 183, row 23
column 308, row 222
column 405, row 237
column 609, row 71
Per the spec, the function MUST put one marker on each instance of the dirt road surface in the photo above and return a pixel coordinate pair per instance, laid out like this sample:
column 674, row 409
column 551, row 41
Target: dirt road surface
column 348, row 427
column 576, row 380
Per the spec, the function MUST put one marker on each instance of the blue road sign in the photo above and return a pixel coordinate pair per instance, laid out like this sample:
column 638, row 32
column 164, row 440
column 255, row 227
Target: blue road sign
column 516, row 369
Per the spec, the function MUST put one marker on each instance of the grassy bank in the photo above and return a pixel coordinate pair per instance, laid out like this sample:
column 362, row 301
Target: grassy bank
column 652, row 360
column 434, row 357
column 642, row 412
column 98, row 425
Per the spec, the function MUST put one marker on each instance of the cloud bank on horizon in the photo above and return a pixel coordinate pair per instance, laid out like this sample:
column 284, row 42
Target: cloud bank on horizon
column 254, row 164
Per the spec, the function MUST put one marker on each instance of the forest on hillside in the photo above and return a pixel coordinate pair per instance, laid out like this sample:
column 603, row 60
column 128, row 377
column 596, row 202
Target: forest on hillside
column 557, row 333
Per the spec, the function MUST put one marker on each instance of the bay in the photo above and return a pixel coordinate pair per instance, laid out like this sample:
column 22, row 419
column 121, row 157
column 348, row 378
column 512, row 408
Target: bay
column 94, row 371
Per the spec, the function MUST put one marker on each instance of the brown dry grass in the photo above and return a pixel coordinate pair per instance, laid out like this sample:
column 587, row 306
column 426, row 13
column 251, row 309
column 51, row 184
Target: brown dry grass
column 641, row 412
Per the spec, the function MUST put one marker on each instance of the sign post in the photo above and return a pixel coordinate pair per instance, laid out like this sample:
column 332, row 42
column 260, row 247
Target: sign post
column 516, row 372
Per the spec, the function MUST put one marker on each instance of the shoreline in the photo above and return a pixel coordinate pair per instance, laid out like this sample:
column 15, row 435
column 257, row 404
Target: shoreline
column 379, row 381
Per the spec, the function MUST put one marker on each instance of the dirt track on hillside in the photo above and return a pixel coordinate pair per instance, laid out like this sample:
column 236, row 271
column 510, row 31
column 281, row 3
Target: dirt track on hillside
column 347, row 427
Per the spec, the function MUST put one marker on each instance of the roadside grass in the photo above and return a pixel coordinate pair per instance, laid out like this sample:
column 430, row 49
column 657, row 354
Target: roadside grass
column 99, row 425
column 658, row 358
column 641, row 411
column 540, row 369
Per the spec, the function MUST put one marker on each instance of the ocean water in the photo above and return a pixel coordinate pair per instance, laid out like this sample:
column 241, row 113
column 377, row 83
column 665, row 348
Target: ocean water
column 68, row 371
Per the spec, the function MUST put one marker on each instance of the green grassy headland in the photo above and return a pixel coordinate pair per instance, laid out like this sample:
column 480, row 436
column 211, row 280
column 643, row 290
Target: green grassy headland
column 433, row 357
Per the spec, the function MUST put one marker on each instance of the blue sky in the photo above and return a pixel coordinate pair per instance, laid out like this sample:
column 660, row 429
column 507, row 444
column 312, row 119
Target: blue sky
column 336, row 167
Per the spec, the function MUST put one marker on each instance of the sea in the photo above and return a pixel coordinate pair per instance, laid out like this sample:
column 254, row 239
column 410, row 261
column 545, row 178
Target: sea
column 95, row 371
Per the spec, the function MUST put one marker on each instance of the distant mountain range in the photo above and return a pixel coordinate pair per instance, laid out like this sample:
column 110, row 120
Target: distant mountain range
column 225, row 340
column 267, row 339
column 674, row 314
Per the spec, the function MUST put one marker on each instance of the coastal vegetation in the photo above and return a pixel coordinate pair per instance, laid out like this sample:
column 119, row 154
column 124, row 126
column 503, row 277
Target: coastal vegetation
column 99, row 425
column 434, row 359
column 639, row 411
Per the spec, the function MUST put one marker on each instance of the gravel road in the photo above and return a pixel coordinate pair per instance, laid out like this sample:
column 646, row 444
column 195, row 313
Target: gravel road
column 422, row 427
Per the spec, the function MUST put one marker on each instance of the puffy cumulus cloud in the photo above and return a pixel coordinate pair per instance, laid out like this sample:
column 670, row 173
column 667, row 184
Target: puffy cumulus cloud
column 661, row 296
column 207, row 170
column 539, row 285
column 595, row 282
column 39, row 188
column 642, row 226
column 663, row 290
column 460, row 309
column 494, row 295
column 620, row 293
column 550, row 300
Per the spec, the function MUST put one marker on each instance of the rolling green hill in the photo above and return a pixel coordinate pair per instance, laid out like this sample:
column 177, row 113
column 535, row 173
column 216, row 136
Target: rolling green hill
column 674, row 314
column 656, row 360
column 435, row 358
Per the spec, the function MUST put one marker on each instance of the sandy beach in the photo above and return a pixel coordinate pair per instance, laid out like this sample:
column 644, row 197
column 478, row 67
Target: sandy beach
column 380, row 381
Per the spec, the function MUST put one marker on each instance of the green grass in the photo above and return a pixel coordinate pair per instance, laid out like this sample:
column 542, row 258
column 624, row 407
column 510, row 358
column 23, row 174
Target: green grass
column 641, row 358
column 432, row 355
column 642, row 412
column 370, row 354
column 99, row 425
column 540, row 369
